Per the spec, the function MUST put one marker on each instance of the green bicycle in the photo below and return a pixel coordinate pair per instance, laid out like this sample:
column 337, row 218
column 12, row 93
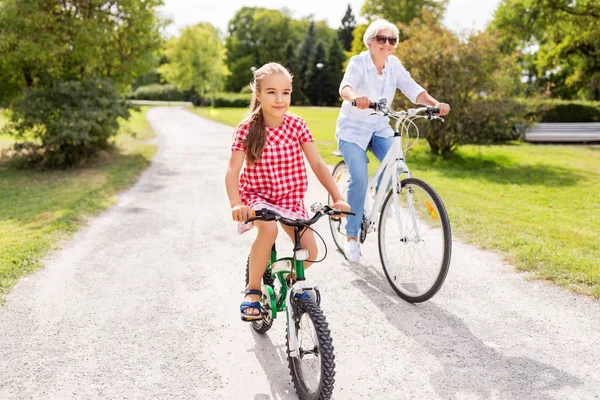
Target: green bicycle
column 309, row 346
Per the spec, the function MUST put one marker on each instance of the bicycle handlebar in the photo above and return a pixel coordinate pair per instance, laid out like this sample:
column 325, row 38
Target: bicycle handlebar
column 380, row 106
column 270, row 215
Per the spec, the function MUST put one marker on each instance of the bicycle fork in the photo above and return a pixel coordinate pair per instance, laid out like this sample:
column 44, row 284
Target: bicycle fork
column 291, row 321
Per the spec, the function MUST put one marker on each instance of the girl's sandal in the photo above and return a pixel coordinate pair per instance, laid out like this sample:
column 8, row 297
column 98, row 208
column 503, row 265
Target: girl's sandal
column 248, row 317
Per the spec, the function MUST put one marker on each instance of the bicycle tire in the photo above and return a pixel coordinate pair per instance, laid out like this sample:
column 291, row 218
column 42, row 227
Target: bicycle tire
column 428, row 215
column 341, row 177
column 324, row 347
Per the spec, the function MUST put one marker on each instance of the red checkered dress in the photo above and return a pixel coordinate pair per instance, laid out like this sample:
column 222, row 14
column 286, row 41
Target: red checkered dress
column 279, row 176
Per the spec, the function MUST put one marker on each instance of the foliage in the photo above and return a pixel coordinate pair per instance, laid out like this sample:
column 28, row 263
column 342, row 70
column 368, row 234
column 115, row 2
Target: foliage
column 152, row 77
column 196, row 60
column 171, row 93
column 323, row 84
column 255, row 36
column 43, row 41
column 160, row 92
column 472, row 75
column 237, row 100
column 554, row 110
column 333, row 73
column 560, row 42
column 357, row 43
column 288, row 58
column 71, row 121
column 403, row 11
column 64, row 65
column 315, row 76
column 347, row 28
column 304, row 59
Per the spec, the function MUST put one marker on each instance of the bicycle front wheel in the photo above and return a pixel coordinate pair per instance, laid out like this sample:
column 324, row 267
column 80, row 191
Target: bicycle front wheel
column 341, row 177
column 313, row 370
column 415, row 242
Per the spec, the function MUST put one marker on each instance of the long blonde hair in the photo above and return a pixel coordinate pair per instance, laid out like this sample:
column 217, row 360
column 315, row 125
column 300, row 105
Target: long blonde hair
column 257, row 132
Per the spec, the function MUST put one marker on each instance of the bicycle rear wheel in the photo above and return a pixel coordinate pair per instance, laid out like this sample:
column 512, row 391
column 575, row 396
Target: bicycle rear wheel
column 341, row 177
column 415, row 242
column 313, row 370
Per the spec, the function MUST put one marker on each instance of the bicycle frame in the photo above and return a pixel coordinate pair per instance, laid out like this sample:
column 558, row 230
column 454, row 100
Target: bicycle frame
column 392, row 166
column 282, row 301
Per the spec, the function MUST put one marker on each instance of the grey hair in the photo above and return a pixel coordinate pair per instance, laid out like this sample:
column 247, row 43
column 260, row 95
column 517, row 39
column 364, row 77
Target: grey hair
column 379, row 25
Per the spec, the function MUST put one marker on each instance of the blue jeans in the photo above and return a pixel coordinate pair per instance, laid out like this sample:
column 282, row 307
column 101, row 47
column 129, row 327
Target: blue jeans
column 356, row 160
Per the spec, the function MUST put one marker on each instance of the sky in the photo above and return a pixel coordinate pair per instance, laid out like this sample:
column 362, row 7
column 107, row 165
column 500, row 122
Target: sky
column 460, row 15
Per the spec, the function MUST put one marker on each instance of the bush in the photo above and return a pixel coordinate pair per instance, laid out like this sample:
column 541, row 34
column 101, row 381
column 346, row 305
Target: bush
column 471, row 75
column 160, row 93
column 552, row 110
column 171, row 93
column 239, row 100
column 68, row 122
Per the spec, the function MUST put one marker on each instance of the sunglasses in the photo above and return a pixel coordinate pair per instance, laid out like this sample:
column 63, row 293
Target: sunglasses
column 391, row 39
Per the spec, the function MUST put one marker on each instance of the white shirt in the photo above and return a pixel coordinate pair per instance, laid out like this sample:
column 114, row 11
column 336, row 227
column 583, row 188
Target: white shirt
column 358, row 126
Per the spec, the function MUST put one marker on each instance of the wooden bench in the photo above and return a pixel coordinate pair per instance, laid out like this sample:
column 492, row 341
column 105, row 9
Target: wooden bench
column 563, row 132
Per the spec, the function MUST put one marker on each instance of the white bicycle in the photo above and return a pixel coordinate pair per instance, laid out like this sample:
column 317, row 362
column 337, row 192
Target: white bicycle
column 414, row 238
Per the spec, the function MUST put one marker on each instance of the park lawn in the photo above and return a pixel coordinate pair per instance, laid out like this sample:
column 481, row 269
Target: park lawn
column 39, row 209
column 538, row 205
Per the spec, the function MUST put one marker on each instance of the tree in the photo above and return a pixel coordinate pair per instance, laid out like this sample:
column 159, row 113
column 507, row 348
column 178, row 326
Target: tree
column 289, row 61
column 304, row 56
column 333, row 73
column 255, row 38
column 315, row 78
column 64, row 66
column 566, row 35
column 44, row 41
column 69, row 122
column 404, row 11
column 345, row 31
column 357, row 42
column 472, row 75
column 258, row 35
column 196, row 60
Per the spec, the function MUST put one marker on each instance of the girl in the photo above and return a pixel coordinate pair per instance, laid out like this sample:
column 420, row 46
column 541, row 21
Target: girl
column 272, row 143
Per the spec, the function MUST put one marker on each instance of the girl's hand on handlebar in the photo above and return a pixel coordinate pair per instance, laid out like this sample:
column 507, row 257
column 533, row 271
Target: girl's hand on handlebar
column 362, row 102
column 241, row 212
column 444, row 108
column 341, row 205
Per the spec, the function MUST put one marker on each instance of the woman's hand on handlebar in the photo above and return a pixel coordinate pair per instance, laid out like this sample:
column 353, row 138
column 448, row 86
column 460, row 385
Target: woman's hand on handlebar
column 241, row 212
column 444, row 108
column 341, row 205
column 362, row 102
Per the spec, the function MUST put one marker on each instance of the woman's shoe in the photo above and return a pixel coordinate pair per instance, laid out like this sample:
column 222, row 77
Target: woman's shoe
column 352, row 251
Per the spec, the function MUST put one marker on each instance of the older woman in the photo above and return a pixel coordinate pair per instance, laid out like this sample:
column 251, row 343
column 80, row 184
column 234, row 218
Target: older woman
column 370, row 76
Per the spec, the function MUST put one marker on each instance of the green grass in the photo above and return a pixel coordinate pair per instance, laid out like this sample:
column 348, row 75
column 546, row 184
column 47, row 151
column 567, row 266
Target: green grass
column 537, row 205
column 39, row 209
